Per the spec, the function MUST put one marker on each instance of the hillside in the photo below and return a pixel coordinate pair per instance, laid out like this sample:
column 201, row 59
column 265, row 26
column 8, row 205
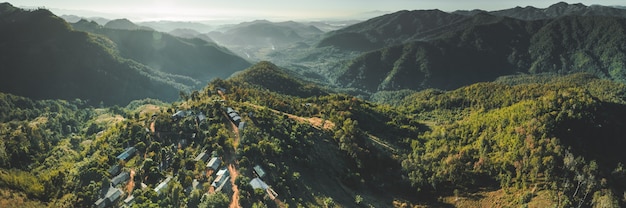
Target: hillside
column 521, row 141
column 268, row 76
column 490, row 47
column 390, row 29
column 193, row 58
column 420, row 49
column 57, row 62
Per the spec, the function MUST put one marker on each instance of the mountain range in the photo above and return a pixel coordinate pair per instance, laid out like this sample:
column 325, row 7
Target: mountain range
column 556, row 10
column 464, row 49
column 114, row 66
column 401, row 50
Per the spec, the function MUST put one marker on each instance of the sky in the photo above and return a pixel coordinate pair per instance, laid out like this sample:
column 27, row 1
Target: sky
column 279, row 10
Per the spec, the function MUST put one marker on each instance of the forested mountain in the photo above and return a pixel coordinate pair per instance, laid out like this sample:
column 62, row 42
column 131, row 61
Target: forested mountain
column 195, row 58
column 269, row 76
column 491, row 46
column 390, row 29
column 57, row 62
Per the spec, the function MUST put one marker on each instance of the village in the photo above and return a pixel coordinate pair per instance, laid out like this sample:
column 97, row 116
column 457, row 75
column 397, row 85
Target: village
column 214, row 171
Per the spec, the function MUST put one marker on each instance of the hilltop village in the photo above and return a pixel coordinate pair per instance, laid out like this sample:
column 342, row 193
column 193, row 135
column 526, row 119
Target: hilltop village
column 185, row 160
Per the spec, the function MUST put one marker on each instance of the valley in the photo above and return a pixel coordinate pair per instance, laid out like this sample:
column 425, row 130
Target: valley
column 520, row 107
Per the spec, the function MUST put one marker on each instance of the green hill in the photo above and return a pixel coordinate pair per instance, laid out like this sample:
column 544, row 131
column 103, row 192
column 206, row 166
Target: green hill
column 269, row 76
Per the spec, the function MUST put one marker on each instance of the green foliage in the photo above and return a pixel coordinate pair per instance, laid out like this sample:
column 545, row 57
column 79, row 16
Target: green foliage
column 515, row 136
column 23, row 181
column 480, row 48
column 215, row 201
column 269, row 76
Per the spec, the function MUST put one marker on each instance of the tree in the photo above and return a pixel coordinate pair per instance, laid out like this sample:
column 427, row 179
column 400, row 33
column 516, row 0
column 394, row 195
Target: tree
column 216, row 200
column 183, row 95
column 194, row 198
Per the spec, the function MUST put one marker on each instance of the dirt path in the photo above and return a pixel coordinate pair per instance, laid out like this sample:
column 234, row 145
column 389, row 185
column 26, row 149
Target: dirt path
column 316, row 122
column 231, row 160
column 233, row 176
column 382, row 143
column 222, row 94
column 152, row 129
column 131, row 184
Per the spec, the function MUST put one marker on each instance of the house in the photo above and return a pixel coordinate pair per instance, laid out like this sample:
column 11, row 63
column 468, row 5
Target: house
column 202, row 156
column 129, row 200
column 111, row 196
column 114, row 170
column 236, row 119
column 201, row 117
column 179, row 114
column 162, row 185
column 220, row 178
column 241, row 126
column 214, row 163
column 230, row 110
column 128, row 152
column 257, row 183
column 121, row 178
column 259, row 171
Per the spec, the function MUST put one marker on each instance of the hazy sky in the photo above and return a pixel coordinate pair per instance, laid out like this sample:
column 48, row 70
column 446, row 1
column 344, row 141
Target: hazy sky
column 143, row 10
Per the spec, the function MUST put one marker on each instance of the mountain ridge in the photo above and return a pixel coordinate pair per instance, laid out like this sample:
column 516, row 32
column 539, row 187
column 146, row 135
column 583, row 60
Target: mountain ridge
column 485, row 46
column 44, row 64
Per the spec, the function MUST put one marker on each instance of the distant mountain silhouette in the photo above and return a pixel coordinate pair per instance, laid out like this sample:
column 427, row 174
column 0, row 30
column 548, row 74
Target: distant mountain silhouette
column 167, row 26
column 263, row 33
column 556, row 10
column 190, row 34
